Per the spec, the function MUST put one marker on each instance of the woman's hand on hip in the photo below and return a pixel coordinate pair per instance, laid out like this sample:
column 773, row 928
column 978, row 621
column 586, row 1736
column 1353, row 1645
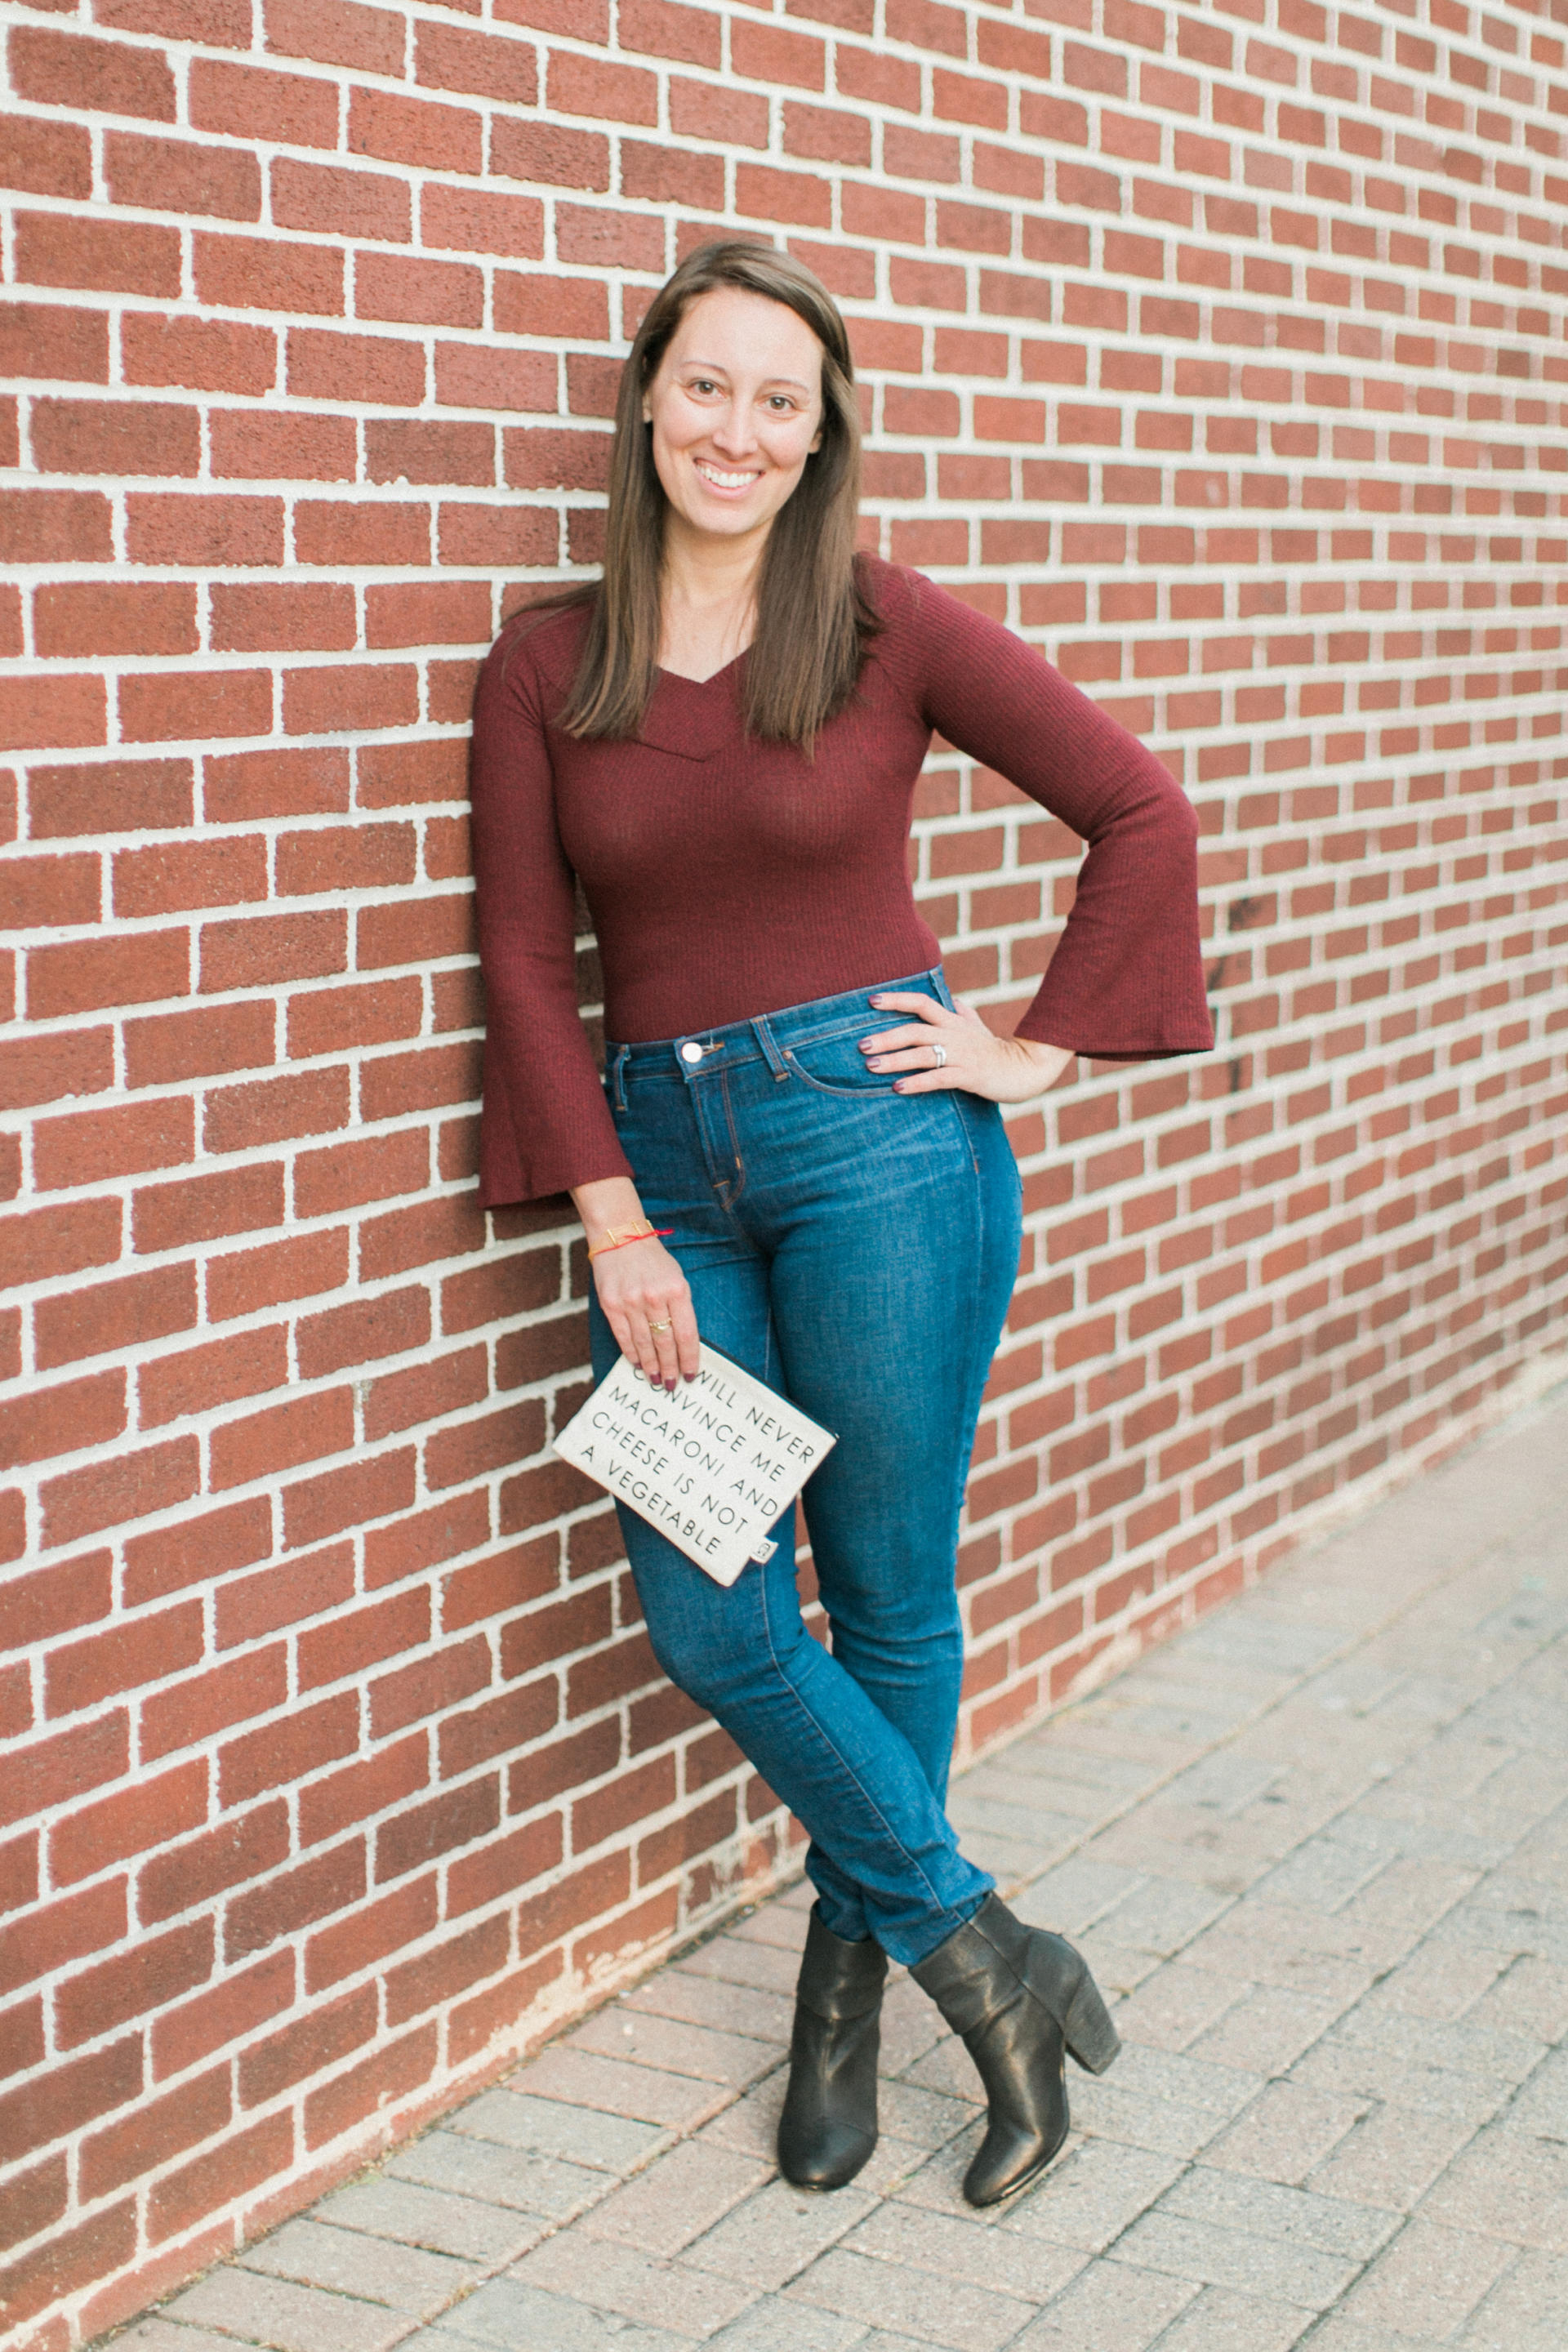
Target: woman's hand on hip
column 939, row 1049
column 647, row 1302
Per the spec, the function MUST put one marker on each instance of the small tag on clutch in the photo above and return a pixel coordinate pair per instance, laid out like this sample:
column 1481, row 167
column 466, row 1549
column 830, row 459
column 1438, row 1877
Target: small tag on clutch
column 712, row 1467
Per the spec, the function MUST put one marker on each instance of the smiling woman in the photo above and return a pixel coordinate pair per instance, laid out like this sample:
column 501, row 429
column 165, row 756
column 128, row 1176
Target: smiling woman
column 722, row 739
column 737, row 414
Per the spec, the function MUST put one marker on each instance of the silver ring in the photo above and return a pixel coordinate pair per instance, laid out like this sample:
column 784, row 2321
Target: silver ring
column 941, row 1053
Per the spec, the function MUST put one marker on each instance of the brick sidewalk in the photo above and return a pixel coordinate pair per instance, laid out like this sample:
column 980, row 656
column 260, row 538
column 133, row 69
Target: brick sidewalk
column 1317, row 1846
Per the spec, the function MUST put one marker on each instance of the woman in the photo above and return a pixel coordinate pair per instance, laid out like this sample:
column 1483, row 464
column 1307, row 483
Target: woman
column 797, row 1147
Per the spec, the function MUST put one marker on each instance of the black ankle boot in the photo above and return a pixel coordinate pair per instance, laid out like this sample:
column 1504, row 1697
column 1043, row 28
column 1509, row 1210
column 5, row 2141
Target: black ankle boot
column 828, row 2127
column 1017, row 1995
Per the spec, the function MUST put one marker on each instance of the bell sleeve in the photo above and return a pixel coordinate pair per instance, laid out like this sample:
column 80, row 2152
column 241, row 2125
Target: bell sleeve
column 1126, row 982
column 545, row 1125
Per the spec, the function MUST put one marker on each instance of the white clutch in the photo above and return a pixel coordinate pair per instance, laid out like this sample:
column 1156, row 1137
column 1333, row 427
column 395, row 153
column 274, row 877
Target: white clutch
column 711, row 1468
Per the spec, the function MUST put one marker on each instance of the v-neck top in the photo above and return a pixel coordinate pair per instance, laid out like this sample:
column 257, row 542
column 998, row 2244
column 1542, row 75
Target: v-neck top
column 728, row 876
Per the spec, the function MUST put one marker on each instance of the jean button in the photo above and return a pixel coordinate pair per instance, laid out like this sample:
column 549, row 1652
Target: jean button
column 691, row 1052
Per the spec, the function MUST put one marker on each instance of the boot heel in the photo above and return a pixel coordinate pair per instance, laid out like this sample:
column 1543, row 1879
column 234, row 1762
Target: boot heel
column 1088, row 2030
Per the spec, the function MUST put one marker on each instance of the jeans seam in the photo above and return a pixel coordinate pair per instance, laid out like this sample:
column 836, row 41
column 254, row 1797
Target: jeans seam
column 740, row 1165
column 850, row 1774
column 979, row 1195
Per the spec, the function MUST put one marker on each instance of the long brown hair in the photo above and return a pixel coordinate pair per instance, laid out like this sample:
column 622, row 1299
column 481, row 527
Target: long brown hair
column 814, row 617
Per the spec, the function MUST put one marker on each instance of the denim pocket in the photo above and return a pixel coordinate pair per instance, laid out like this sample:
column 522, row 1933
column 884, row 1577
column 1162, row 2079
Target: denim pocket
column 836, row 1066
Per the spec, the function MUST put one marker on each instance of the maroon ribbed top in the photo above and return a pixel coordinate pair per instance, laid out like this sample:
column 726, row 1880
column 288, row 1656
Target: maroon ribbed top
column 730, row 877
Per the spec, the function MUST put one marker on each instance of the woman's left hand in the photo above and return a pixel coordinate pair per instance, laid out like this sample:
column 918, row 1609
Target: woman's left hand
column 938, row 1048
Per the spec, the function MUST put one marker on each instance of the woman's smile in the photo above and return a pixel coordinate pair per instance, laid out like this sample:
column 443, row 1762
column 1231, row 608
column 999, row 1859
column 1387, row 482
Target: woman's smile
column 744, row 372
column 725, row 479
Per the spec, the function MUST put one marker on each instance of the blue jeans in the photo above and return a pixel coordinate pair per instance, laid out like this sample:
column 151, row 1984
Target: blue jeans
column 857, row 1250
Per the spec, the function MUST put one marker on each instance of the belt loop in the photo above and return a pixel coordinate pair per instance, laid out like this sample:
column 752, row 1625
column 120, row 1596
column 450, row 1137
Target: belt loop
column 619, row 1076
column 938, row 979
column 771, row 1053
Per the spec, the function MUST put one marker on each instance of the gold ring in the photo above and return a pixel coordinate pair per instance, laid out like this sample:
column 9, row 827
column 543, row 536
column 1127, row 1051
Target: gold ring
column 664, row 1326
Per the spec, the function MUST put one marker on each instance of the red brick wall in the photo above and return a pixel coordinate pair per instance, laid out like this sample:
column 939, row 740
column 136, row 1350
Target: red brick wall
column 1220, row 351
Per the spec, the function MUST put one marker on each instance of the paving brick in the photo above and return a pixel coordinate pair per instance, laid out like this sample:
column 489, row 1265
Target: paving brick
column 1531, row 1997
column 1439, row 1979
column 648, row 2040
column 519, row 2319
column 1527, row 2311
column 774, row 2325
column 1507, row 2184
column 965, row 2319
column 1090, row 2196
column 1220, row 2321
column 1076, row 1895
column 1175, row 2005
column 1266, row 2032
column 1285, row 2132
column 1427, row 2280
column 1393, row 2157
column 1031, row 2268
column 1161, row 2125
column 585, row 2134
column 936, row 2185
column 1353, row 2232
column 948, row 2070
column 1165, row 2240
column 676, row 2198
column 158, row 2335
column 1333, row 2333
column 925, row 2118
column 737, row 1959
column 1345, row 2068
column 1295, row 1949
column 775, row 2235
column 749, row 2125
column 1109, row 2307
column 477, row 2230
column 1322, row 1876
column 583, row 2078
column 1162, row 1914
column 1183, row 2080
column 483, row 2170
column 1410, row 1896
column 1462, row 2046
column 882, row 2339
column 716, row 2002
column 781, row 1924
column 615, row 2278
column 1008, row 1810
column 347, row 2262
column 293, row 2318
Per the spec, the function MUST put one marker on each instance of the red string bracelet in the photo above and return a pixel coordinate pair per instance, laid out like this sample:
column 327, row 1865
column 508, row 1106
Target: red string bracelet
column 650, row 1233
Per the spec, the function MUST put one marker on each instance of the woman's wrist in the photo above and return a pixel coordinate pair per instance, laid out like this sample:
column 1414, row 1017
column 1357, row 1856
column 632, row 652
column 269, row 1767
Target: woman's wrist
column 1048, row 1061
column 610, row 1205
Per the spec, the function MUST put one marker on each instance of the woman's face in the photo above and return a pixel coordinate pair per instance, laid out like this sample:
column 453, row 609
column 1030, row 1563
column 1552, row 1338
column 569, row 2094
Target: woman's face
column 736, row 409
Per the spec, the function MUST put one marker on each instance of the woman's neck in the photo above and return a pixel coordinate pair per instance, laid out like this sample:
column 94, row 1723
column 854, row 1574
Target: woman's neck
column 708, row 598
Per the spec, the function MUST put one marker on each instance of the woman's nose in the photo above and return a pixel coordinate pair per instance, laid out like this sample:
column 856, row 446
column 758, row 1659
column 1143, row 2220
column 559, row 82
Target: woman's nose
column 733, row 432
